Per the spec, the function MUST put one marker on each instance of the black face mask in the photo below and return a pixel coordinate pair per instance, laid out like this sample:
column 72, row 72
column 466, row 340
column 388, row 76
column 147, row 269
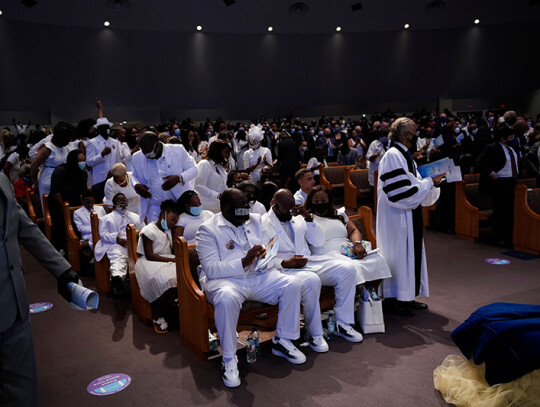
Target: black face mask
column 320, row 208
column 283, row 217
column 239, row 216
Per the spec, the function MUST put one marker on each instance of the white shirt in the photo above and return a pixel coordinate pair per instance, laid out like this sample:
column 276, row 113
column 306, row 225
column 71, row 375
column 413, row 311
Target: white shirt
column 506, row 171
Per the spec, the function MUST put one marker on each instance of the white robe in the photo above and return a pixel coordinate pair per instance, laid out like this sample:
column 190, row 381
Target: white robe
column 395, row 235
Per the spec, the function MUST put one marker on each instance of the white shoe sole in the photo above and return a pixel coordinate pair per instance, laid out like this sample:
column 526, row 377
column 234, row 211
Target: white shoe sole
column 348, row 338
column 230, row 383
column 293, row 361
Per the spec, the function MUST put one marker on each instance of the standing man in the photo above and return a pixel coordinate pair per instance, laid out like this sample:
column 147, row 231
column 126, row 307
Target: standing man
column 305, row 180
column 229, row 246
column 18, row 374
column 161, row 172
column 102, row 152
column 401, row 194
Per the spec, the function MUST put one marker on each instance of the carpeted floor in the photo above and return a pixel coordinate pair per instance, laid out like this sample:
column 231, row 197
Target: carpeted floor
column 393, row 369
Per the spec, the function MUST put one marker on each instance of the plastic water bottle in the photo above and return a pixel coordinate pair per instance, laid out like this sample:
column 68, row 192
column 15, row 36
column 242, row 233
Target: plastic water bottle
column 251, row 352
column 331, row 326
column 255, row 336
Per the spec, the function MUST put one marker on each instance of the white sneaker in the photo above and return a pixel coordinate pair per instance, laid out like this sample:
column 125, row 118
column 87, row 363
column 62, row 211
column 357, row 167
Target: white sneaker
column 229, row 373
column 348, row 332
column 316, row 343
column 285, row 348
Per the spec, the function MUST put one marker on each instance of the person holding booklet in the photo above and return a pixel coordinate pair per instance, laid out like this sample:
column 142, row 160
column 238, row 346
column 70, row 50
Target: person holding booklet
column 296, row 228
column 229, row 246
column 340, row 234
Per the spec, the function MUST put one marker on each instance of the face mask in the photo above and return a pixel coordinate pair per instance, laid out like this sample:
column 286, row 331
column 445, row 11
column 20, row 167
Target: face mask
column 152, row 154
column 457, row 130
column 255, row 146
column 529, row 124
column 26, row 179
column 195, row 210
column 475, row 131
column 122, row 209
column 321, row 133
column 176, row 132
column 513, row 143
column 82, row 165
column 283, row 217
column 300, row 132
column 292, row 131
column 311, row 132
column 164, row 225
column 241, row 215
column 384, row 140
column 320, row 208
column 303, row 148
column 490, row 119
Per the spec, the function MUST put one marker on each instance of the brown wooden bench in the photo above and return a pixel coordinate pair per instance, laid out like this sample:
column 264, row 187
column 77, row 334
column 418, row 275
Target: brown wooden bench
column 102, row 267
column 526, row 237
column 34, row 208
column 471, row 178
column 528, row 182
column 47, row 221
column 471, row 208
column 332, row 177
column 141, row 307
column 197, row 314
column 356, row 188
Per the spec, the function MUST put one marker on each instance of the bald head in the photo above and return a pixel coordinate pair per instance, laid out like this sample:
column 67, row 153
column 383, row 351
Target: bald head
column 283, row 202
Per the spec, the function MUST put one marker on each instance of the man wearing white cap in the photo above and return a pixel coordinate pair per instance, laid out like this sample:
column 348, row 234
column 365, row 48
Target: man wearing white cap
column 102, row 152
column 257, row 156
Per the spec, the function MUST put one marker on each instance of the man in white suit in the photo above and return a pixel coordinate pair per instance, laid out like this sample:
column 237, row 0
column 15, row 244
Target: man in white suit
column 102, row 152
column 113, row 243
column 229, row 246
column 160, row 172
column 81, row 217
column 296, row 229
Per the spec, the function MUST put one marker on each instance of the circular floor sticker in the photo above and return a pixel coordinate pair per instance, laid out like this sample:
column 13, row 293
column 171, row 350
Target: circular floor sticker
column 498, row 262
column 40, row 307
column 109, row 384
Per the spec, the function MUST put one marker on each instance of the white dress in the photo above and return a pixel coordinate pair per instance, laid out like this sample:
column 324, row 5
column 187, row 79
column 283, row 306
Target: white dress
column 155, row 277
column 250, row 158
column 57, row 156
column 370, row 268
column 191, row 224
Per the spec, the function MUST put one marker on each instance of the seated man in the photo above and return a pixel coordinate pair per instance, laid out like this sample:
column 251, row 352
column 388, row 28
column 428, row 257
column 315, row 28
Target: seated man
column 307, row 182
column 296, row 229
column 113, row 243
column 229, row 246
column 251, row 190
column 81, row 217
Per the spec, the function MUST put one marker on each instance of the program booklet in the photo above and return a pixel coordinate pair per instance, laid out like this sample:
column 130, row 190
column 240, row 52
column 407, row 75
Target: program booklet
column 271, row 252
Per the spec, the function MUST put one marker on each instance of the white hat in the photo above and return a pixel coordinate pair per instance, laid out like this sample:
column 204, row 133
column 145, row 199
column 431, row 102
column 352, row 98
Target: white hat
column 255, row 134
column 102, row 121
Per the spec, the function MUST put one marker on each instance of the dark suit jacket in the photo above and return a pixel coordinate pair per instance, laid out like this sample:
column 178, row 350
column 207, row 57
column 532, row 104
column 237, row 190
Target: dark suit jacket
column 491, row 160
column 16, row 228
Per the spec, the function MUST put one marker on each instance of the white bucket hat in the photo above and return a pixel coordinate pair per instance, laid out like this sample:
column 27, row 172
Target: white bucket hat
column 102, row 121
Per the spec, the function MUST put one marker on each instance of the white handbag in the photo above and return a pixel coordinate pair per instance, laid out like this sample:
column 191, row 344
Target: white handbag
column 369, row 314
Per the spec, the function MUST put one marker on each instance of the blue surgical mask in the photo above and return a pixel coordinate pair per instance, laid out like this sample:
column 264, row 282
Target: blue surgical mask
column 164, row 225
column 82, row 165
column 321, row 133
column 122, row 209
column 195, row 210
column 176, row 132
column 383, row 140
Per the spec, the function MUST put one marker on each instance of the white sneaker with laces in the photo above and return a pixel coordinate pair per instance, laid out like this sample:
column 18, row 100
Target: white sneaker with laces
column 316, row 343
column 348, row 332
column 230, row 373
column 285, row 348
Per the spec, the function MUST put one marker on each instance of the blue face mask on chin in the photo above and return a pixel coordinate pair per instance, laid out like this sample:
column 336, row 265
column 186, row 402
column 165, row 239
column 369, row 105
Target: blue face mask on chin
column 195, row 210
column 164, row 225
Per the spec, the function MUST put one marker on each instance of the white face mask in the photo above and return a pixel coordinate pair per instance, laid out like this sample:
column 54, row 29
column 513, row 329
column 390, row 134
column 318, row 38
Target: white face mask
column 474, row 131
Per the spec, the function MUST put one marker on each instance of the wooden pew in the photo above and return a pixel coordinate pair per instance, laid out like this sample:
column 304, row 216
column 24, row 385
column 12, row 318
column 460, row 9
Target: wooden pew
column 73, row 241
column 141, row 307
column 357, row 186
column 471, row 208
column 526, row 236
column 332, row 177
column 47, row 222
column 34, row 208
column 102, row 267
column 197, row 315
column 528, row 182
column 471, row 178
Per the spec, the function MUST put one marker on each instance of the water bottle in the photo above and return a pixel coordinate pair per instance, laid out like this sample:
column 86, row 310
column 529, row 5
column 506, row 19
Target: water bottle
column 331, row 327
column 255, row 336
column 251, row 352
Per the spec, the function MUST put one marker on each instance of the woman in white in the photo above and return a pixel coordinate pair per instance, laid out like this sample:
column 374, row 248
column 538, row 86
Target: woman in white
column 339, row 231
column 240, row 146
column 192, row 215
column 211, row 179
column 156, row 268
column 121, row 181
column 256, row 157
column 51, row 156
column 375, row 153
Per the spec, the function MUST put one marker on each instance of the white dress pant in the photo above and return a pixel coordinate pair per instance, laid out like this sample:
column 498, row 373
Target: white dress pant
column 119, row 261
column 310, row 294
column 342, row 276
column 271, row 287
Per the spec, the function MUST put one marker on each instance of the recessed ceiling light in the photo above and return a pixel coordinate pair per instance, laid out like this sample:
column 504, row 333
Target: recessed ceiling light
column 338, row 29
column 0, row 12
column 406, row 26
column 106, row 24
column 477, row 21
column 270, row 28
column 199, row 27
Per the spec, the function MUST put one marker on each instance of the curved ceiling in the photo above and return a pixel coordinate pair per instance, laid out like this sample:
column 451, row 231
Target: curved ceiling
column 285, row 16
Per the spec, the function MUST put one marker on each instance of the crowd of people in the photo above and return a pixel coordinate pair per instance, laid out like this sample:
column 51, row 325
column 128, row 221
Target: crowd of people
column 231, row 187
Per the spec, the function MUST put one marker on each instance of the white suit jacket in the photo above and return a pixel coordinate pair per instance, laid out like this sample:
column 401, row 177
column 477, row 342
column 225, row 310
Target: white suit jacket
column 81, row 218
column 111, row 226
column 102, row 165
column 178, row 162
column 219, row 250
column 304, row 233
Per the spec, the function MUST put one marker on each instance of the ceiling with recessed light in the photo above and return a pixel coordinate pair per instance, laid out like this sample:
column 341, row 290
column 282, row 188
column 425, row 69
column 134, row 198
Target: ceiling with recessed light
column 285, row 16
